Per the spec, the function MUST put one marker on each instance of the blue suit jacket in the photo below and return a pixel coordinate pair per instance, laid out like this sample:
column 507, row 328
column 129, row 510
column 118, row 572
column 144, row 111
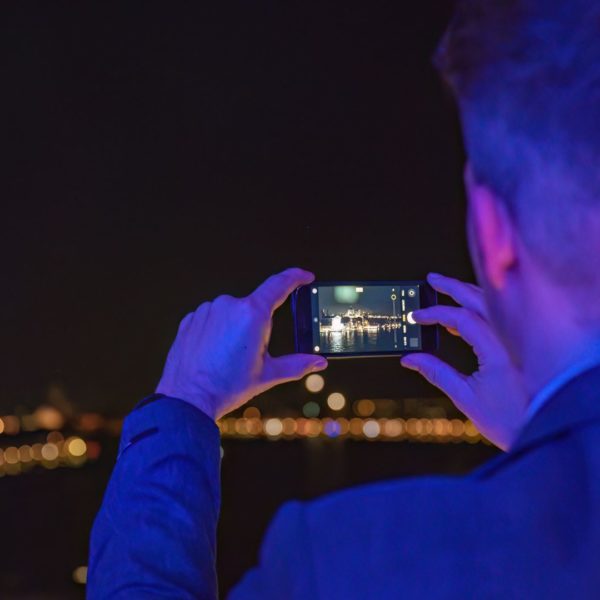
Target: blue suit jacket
column 526, row 525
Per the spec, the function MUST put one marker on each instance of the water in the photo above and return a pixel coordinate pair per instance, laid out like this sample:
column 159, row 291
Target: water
column 352, row 340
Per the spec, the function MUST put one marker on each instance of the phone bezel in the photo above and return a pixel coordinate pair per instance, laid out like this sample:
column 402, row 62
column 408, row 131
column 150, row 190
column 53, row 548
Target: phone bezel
column 302, row 312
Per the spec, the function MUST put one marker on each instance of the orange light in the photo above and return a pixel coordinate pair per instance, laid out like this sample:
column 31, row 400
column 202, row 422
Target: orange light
column 301, row 426
column 54, row 437
column 393, row 427
column 314, row 427
column 470, row 429
column 12, row 426
column 11, row 456
column 344, row 426
column 289, row 426
column 47, row 417
column 76, row 446
column 25, row 454
column 36, row 452
column 252, row 413
column 240, row 426
column 458, row 427
column 254, row 426
column 364, row 408
column 356, row 426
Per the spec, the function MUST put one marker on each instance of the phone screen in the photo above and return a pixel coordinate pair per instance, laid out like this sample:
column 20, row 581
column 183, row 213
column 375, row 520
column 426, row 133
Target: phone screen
column 365, row 319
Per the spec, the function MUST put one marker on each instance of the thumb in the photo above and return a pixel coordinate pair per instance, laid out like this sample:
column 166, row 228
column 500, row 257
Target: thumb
column 291, row 367
column 440, row 374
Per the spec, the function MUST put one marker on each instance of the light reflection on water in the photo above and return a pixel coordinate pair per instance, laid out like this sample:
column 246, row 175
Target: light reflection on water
column 352, row 340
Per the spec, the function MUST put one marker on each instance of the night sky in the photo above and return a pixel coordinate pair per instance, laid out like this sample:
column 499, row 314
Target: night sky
column 158, row 154
column 373, row 299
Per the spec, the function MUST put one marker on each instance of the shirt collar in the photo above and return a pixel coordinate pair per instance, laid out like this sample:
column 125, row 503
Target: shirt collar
column 590, row 361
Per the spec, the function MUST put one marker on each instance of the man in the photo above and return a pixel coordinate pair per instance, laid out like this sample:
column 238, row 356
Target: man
column 526, row 76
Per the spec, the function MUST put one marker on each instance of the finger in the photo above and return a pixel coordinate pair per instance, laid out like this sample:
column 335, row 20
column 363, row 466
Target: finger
column 438, row 373
column 291, row 367
column 274, row 291
column 469, row 325
column 466, row 294
column 185, row 323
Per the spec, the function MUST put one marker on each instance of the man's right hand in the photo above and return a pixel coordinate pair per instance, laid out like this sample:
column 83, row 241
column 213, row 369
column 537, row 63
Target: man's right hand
column 493, row 397
column 220, row 357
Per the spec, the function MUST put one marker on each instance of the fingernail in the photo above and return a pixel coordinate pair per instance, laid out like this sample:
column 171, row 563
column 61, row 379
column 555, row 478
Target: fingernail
column 320, row 363
column 406, row 362
column 434, row 276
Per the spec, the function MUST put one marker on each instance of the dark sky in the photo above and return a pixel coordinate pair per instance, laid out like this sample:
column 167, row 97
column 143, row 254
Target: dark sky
column 157, row 154
column 373, row 299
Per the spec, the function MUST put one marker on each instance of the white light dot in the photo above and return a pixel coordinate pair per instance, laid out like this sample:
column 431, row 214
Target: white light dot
column 314, row 383
column 314, row 290
column 410, row 318
column 317, row 348
column 371, row 429
column 273, row 427
column 49, row 452
column 336, row 401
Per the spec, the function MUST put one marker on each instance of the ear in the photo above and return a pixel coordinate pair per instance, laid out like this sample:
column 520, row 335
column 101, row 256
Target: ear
column 491, row 231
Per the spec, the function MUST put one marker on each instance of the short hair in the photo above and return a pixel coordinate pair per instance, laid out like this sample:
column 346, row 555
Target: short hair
column 526, row 77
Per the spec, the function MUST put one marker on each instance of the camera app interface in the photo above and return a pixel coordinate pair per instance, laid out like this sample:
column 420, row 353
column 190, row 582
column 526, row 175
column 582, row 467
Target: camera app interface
column 349, row 319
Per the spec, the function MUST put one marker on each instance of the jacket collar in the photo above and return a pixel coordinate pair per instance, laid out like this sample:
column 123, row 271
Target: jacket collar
column 575, row 404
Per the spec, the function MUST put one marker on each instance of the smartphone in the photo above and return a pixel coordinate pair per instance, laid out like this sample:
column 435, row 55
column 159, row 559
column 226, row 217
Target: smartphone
column 345, row 319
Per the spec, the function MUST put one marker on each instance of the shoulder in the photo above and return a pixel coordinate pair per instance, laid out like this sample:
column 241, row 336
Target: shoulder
column 381, row 499
column 371, row 518
column 349, row 541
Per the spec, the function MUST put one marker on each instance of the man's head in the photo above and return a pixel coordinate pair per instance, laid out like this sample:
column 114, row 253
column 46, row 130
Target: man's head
column 526, row 76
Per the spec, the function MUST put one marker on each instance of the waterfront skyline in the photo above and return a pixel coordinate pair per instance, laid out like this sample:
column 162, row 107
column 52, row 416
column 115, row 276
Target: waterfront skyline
column 356, row 319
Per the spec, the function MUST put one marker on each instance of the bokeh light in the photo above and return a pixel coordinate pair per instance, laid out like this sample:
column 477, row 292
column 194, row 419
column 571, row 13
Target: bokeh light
column 55, row 437
column 25, row 454
column 289, row 426
column 80, row 575
column 76, row 446
column 311, row 409
column 314, row 383
column 47, row 417
column 332, row 428
column 273, row 427
column 50, row 452
column 336, row 401
column 364, row 408
column 11, row 456
column 371, row 429
column 12, row 426
column 252, row 413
